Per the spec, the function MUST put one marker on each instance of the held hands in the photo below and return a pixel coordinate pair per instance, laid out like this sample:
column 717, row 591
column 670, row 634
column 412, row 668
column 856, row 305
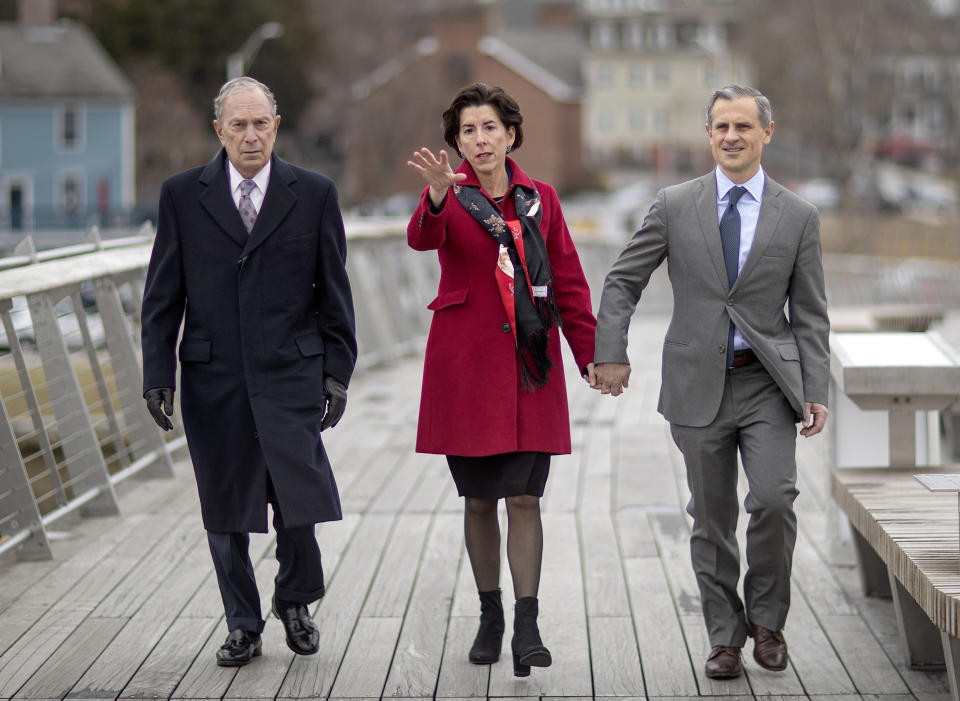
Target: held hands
column 611, row 378
column 590, row 375
column 814, row 419
column 160, row 405
column 436, row 172
column 335, row 401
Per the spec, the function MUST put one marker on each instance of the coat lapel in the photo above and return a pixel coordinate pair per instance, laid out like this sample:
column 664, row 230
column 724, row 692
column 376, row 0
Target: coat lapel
column 770, row 211
column 277, row 203
column 217, row 201
column 710, row 225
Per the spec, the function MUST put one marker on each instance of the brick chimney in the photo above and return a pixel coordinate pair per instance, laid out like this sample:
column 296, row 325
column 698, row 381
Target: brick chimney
column 37, row 13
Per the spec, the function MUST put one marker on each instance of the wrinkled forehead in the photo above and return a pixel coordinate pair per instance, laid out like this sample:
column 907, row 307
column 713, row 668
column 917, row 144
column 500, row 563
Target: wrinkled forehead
column 250, row 102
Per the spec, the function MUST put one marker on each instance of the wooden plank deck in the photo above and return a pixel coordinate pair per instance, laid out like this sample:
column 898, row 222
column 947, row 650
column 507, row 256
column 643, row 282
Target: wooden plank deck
column 129, row 608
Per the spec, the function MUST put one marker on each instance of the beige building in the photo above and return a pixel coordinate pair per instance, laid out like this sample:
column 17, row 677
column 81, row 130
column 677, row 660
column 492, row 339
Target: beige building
column 648, row 70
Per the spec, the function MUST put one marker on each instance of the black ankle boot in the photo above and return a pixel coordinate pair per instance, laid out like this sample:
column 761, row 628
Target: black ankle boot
column 486, row 646
column 528, row 649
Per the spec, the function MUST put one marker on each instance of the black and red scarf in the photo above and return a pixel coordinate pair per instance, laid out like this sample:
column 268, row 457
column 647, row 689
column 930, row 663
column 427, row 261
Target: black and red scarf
column 531, row 307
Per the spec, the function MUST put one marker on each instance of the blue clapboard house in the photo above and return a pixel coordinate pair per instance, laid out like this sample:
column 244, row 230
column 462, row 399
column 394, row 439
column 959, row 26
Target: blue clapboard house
column 66, row 130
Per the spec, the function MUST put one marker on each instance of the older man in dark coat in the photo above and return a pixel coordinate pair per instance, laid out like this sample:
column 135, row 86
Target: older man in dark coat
column 250, row 258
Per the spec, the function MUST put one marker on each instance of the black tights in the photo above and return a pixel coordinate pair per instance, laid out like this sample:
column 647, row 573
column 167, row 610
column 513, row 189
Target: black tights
column 524, row 542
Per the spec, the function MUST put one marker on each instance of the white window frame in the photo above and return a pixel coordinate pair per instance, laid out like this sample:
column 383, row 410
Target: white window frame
column 606, row 119
column 603, row 36
column 80, row 126
column 7, row 182
column 661, row 74
column 662, row 118
column 63, row 177
column 605, row 76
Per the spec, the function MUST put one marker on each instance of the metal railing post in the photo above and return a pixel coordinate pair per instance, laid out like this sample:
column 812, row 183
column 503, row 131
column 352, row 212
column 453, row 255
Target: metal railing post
column 145, row 436
column 84, row 459
column 19, row 516
column 116, row 435
column 33, row 405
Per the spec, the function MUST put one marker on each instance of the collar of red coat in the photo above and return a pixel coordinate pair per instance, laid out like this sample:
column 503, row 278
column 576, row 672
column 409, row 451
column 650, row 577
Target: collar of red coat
column 517, row 176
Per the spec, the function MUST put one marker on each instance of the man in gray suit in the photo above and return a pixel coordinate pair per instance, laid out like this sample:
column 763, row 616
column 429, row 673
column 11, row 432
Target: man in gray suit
column 745, row 358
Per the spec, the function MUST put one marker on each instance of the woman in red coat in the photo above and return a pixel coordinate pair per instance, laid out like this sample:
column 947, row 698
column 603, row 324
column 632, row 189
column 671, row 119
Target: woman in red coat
column 494, row 398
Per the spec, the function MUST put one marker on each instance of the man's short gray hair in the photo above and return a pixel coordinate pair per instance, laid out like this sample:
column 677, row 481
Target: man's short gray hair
column 238, row 84
column 733, row 92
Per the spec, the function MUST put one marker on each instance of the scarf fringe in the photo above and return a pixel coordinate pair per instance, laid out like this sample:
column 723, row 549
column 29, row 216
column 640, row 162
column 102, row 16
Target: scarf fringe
column 535, row 360
column 548, row 311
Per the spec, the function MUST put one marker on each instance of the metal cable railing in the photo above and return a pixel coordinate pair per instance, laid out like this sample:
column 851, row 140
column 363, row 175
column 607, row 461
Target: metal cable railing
column 72, row 422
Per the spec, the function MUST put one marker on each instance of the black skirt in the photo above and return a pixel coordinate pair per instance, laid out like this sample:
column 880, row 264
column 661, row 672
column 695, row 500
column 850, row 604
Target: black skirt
column 502, row 475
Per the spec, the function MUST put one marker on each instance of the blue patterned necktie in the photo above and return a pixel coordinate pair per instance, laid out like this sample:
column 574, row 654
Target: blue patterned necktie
column 730, row 240
column 247, row 211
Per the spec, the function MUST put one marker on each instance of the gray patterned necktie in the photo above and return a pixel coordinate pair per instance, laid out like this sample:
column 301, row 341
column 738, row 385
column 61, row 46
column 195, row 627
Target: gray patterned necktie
column 247, row 211
column 730, row 240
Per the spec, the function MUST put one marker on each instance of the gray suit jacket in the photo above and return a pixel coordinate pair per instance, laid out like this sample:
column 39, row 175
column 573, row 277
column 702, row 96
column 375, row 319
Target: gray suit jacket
column 778, row 302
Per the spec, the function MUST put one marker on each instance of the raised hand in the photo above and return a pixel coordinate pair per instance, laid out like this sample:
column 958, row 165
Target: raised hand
column 436, row 172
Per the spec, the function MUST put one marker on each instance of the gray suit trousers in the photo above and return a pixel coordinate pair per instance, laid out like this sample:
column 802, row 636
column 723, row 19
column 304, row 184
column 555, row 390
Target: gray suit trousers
column 756, row 419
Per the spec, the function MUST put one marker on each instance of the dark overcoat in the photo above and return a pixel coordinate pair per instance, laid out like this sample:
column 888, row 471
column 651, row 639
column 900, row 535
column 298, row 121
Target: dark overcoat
column 266, row 316
column 472, row 402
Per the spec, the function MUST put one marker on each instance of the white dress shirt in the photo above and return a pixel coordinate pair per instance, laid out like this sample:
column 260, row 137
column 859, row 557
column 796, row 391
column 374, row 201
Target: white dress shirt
column 748, row 207
column 262, row 179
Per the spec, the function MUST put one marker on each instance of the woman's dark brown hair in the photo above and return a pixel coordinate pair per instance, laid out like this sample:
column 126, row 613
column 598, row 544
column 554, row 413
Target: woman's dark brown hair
column 477, row 95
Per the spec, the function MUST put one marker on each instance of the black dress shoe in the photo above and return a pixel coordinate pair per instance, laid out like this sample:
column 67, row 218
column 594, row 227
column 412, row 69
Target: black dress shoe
column 302, row 634
column 241, row 647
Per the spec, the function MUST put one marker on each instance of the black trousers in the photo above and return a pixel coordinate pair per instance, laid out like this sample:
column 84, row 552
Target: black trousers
column 299, row 579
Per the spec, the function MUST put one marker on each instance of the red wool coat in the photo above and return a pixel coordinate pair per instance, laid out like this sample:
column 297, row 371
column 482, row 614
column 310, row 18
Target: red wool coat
column 472, row 402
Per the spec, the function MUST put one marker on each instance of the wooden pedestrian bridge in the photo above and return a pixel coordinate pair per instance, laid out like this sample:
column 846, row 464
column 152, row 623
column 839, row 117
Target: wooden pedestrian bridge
column 106, row 585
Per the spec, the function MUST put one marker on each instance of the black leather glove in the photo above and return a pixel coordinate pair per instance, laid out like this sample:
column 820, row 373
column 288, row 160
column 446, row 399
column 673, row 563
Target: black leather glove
column 160, row 405
column 335, row 400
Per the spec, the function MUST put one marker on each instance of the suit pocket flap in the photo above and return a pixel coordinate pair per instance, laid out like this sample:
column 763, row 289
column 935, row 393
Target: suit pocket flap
column 195, row 350
column 778, row 251
column 789, row 351
column 294, row 243
column 311, row 344
column 448, row 299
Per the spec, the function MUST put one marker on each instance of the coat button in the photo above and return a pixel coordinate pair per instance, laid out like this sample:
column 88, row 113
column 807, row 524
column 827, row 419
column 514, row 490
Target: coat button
column 506, row 328
column 722, row 349
column 256, row 435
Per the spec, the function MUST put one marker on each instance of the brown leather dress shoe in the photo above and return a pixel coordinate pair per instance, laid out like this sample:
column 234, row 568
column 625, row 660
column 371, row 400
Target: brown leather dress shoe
column 769, row 648
column 723, row 663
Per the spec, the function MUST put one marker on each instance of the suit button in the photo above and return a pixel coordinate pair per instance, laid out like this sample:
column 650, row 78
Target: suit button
column 722, row 350
column 506, row 328
column 256, row 435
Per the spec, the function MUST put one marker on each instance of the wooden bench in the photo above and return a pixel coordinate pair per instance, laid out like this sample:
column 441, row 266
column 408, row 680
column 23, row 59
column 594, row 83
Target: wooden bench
column 909, row 548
